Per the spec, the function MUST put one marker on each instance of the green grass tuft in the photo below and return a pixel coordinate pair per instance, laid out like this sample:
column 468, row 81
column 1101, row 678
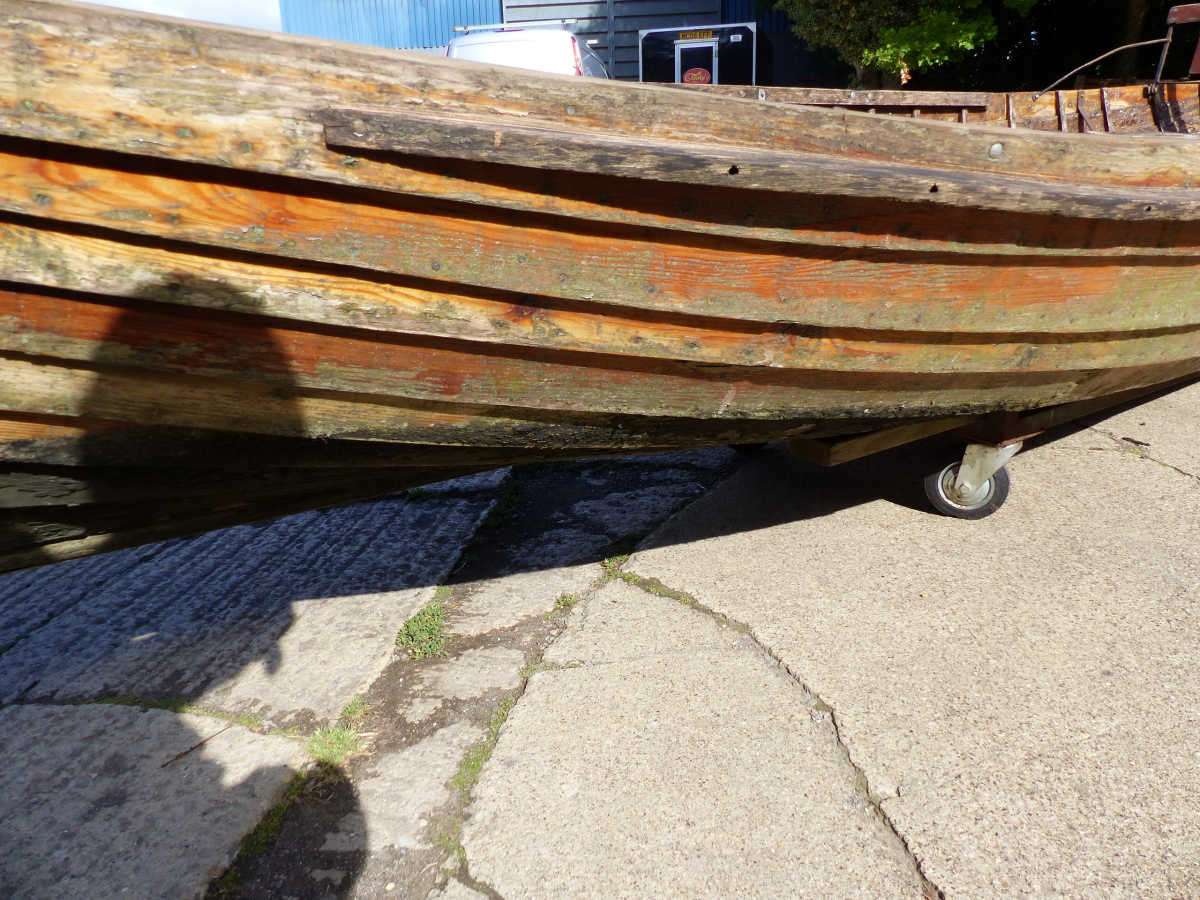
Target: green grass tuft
column 334, row 743
column 417, row 495
column 356, row 710
column 425, row 633
column 443, row 592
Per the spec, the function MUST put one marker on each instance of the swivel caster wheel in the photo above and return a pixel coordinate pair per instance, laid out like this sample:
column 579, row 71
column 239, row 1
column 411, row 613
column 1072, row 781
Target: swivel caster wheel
column 974, row 488
column 982, row 502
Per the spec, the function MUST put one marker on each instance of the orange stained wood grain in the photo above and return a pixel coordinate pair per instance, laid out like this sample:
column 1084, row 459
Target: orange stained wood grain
column 660, row 271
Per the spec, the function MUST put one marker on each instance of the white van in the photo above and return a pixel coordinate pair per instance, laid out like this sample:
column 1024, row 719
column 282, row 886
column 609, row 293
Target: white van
column 543, row 47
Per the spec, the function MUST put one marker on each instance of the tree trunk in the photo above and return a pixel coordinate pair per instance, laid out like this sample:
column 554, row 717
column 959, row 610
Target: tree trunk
column 1131, row 32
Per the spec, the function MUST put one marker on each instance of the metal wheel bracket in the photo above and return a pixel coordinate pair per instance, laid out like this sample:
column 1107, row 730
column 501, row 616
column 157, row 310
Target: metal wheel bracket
column 980, row 463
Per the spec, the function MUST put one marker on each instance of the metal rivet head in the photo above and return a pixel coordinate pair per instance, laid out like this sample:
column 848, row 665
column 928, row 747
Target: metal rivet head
column 570, row 110
column 996, row 151
column 359, row 126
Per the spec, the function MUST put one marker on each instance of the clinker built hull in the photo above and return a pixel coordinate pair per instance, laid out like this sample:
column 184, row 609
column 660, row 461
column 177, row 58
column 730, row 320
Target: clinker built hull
column 246, row 274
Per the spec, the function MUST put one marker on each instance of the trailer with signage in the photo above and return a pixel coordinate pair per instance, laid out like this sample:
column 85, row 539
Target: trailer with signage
column 711, row 54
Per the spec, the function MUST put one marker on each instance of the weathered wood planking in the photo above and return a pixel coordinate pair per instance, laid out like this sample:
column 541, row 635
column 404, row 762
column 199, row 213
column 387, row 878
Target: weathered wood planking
column 271, row 123
column 661, row 272
column 606, row 153
column 1109, row 110
column 237, row 346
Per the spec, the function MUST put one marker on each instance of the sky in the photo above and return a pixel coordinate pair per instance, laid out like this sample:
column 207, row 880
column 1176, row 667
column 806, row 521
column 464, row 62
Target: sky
column 247, row 13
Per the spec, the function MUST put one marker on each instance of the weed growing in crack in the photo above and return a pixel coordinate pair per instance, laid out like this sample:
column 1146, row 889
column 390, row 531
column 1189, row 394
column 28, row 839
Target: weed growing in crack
column 417, row 495
column 177, row 705
column 447, row 834
column 529, row 668
column 612, row 570
column 623, row 546
column 334, row 744
column 472, row 764
column 356, row 710
column 612, row 565
column 425, row 633
column 562, row 606
column 258, row 840
column 443, row 592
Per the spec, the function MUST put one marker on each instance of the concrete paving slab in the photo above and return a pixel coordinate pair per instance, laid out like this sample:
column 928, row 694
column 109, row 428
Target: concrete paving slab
column 91, row 799
column 1167, row 430
column 285, row 621
column 1024, row 691
column 401, row 790
column 504, row 601
column 667, row 757
column 456, row 890
column 475, row 672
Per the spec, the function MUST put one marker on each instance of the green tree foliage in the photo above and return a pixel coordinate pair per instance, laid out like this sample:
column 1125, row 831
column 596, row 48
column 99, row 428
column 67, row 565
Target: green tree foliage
column 898, row 35
column 989, row 44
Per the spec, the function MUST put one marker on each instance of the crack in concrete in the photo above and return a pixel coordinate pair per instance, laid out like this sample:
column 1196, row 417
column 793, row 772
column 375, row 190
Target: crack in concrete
column 461, row 872
column 463, row 876
column 1130, row 445
column 819, row 710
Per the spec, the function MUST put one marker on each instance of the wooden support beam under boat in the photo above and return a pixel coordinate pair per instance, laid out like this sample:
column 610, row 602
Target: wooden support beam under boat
column 998, row 429
column 834, row 452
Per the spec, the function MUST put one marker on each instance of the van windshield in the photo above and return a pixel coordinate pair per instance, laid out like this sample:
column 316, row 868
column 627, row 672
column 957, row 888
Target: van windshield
column 523, row 50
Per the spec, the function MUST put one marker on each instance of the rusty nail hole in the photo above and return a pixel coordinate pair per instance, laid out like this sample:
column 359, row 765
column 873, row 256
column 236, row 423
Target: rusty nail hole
column 1148, row 208
column 733, row 170
column 934, row 189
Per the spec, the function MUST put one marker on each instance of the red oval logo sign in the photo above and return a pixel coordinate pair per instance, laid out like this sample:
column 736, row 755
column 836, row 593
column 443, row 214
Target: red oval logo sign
column 697, row 76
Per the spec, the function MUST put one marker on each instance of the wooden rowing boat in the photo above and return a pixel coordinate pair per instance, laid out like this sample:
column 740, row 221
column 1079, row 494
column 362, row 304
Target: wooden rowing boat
column 247, row 274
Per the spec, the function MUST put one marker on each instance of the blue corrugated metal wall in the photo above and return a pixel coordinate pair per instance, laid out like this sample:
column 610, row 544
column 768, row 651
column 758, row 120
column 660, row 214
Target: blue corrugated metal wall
column 747, row 11
column 387, row 23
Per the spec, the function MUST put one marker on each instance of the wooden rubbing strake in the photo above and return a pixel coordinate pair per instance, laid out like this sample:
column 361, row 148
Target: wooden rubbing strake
column 546, row 147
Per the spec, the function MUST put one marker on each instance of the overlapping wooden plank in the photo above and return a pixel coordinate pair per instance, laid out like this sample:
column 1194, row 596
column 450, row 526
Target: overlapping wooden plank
column 608, row 153
column 850, row 222
column 558, row 367
column 127, row 395
column 658, row 271
column 156, row 341
column 68, row 441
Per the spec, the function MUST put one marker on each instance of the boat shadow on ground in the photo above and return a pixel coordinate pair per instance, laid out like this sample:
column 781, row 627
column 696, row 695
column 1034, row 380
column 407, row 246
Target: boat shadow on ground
column 97, row 655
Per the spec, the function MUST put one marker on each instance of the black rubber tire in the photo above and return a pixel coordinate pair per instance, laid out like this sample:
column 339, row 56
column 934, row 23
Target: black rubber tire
column 748, row 448
column 993, row 498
